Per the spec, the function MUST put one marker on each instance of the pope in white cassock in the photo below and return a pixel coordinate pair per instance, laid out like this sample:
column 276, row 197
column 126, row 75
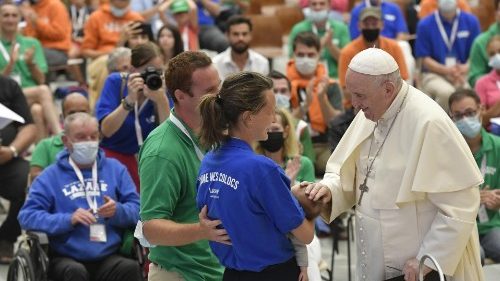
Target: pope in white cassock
column 409, row 174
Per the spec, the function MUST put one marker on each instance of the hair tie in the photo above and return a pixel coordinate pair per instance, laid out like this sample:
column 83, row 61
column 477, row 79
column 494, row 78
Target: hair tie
column 219, row 100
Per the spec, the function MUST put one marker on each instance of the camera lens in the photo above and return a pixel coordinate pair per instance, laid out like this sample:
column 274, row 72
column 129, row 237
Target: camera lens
column 153, row 81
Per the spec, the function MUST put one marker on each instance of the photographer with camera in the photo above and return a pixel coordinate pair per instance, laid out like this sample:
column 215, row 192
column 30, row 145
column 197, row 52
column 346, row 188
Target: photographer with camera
column 131, row 106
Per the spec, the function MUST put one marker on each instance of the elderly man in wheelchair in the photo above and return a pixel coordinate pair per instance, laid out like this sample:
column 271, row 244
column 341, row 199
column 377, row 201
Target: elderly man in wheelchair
column 83, row 202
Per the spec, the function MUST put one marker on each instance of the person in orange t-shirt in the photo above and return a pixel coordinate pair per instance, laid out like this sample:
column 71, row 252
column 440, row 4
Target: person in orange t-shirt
column 370, row 24
column 427, row 7
column 48, row 21
column 108, row 27
column 315, row 97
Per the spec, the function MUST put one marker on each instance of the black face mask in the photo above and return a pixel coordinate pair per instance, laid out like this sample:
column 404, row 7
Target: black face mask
column 370, row 35
column 274, row 141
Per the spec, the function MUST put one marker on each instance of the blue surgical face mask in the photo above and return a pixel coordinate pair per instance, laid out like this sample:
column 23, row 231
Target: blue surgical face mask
column 470, row 127
column 317, row 16
column 282, row 101
column 84, row 153
column 495, row 61
column 117, row 12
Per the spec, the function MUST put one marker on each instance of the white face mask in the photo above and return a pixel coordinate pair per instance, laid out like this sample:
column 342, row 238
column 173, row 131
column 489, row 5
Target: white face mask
column 305, row 65
column 282, row 101
column 317, row 16
column 85, row 152
column 118, row 12
column 447, row 5
column 495, row 62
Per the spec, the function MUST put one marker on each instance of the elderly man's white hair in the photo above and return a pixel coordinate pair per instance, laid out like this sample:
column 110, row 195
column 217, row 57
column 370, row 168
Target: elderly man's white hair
column 83, row 117
column 113, row 58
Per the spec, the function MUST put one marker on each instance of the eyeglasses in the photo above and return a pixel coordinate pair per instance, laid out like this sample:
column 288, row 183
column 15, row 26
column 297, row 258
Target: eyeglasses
column 468, row 113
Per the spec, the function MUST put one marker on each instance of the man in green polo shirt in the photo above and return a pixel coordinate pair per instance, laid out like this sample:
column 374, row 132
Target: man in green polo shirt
column 334, row 35
column 168, row 167
column 465, row 110
column 46, row 150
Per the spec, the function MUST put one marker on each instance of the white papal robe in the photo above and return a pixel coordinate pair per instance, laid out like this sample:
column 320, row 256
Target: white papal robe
column 423, row 193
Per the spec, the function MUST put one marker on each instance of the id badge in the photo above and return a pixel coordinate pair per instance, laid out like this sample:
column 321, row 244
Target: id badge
column 483, row 214
column 98, row 233
column 450, row 61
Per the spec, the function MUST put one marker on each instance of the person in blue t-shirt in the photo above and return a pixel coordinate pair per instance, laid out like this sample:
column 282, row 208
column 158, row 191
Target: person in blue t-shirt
column 444, row 40
column 128, row 109
column 249, row 193
column 394, row 22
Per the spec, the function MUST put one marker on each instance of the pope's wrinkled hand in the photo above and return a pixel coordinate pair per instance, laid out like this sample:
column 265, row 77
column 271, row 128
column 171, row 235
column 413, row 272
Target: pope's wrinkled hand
column 317, row 191
column 410, row 270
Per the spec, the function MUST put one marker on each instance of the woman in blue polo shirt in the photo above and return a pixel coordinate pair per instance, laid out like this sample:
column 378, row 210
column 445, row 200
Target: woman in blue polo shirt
column 249, row 193
column 128, row 110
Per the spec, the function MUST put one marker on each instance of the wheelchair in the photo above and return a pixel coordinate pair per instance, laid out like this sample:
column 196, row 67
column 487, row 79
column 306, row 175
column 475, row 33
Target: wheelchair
column 31, row 261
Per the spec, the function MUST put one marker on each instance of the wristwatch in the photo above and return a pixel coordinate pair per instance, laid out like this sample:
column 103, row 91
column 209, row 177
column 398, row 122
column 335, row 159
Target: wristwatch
column 127, row 106
column 14, row 151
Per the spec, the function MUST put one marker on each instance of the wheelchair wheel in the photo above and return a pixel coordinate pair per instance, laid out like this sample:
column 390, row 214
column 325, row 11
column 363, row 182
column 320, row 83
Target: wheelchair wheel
column 21, row 268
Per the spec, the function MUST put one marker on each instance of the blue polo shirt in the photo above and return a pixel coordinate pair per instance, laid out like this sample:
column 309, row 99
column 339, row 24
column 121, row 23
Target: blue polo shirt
column 204, row 17
column 430, row 43
column 124, row 140
column 394, row 21
column 250, row 194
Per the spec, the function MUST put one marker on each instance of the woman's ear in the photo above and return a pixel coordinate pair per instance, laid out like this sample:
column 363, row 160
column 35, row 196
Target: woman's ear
column 246, row 119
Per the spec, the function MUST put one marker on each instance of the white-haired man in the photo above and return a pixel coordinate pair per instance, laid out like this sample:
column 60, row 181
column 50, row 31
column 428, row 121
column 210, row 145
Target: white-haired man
column 410, row 175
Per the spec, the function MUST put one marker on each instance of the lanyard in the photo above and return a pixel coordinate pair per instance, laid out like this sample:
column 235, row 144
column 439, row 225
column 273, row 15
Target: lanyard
column 79, row 175
column 77, row 19
column 181, row 127
column 449, row 41
column 4, row 52
column 483, row 167
column 185, row 38
column 137, row 124
column 315, row 29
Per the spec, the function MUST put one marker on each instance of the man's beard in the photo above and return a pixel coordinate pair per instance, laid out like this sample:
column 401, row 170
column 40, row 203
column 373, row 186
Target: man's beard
column 239, row 48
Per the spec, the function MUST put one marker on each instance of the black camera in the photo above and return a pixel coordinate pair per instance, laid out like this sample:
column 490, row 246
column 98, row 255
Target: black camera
column 152, row 78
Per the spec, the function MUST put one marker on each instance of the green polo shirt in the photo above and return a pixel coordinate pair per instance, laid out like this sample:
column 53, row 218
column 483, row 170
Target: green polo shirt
column 340, row 38
column 46, row 150
column 21, row 68
column 168, row 169
column 490, row 148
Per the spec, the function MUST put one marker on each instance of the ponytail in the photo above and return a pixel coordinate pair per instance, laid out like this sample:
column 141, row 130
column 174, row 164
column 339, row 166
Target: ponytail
column 213, row 121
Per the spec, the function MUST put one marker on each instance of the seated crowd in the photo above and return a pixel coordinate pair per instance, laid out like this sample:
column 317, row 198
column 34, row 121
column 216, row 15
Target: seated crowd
column 124, row 145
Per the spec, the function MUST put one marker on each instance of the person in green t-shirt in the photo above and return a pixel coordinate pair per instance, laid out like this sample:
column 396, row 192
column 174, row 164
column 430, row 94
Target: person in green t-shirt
column 334, row 35
column 466, row 111
column 46, row 150
column 169, row 161
column 22, row 59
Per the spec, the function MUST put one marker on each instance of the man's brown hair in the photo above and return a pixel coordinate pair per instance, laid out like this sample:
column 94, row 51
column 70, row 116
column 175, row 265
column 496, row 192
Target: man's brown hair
column 179, row 74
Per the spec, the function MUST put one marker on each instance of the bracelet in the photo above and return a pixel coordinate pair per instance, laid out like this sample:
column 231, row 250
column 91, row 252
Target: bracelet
column 13, row 149
column 127, row 106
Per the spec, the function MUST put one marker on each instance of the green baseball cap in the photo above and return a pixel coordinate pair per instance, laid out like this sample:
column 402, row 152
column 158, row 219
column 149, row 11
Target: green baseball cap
column 179, row 6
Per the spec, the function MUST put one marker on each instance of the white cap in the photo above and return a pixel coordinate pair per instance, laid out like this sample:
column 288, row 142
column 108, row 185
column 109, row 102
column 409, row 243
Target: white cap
column 373, row 61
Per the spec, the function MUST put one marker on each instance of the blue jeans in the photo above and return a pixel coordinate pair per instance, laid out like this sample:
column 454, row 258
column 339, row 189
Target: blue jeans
column 490, row 245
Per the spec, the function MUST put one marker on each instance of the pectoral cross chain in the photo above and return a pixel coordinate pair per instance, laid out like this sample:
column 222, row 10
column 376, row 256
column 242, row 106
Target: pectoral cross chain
column 363, row 188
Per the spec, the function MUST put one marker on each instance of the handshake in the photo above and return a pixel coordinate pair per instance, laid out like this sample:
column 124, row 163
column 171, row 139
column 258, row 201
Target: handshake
column 312, row 197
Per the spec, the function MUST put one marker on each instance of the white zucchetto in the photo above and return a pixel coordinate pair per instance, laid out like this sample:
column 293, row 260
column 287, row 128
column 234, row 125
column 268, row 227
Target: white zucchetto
column 373, row 61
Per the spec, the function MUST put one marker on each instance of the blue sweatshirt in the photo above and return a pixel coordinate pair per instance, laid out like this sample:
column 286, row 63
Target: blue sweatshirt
column 57, row 193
